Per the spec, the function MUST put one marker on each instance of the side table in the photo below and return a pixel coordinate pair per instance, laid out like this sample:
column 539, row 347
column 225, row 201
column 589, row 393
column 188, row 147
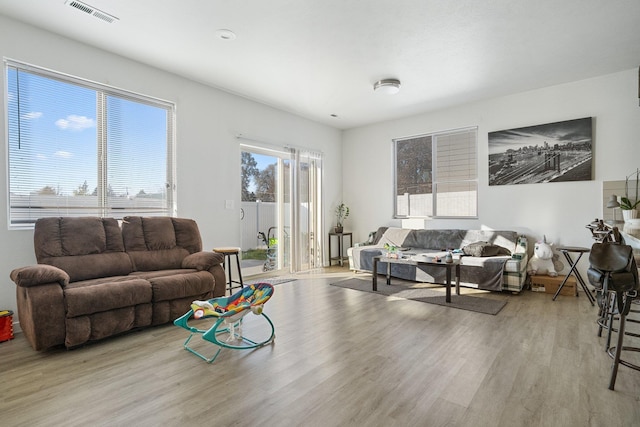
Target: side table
column 340, row 258
column 573, row 263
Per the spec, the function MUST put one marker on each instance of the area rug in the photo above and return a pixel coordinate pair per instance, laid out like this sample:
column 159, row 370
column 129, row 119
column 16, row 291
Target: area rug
column 273, row 280
column 425, row 292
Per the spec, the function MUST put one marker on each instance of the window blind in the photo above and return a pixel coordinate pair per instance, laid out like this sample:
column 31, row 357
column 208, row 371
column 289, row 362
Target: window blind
column 77, row 148
column 456, row 176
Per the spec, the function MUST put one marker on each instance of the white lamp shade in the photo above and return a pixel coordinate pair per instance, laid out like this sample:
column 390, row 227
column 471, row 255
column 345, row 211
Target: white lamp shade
column 613, row 202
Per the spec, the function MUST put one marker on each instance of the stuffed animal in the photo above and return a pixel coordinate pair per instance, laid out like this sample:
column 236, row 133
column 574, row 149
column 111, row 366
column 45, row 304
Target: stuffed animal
column 542, row 261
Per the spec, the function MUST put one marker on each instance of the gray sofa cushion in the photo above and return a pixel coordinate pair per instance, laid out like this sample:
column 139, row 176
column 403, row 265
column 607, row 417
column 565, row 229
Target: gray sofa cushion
column 435, row 239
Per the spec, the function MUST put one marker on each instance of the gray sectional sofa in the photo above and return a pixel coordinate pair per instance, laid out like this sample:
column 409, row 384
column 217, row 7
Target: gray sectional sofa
column 494, row 260
column 95, row 278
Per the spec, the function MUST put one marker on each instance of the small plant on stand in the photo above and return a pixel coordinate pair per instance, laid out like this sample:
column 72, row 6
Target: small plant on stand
column 342, row 212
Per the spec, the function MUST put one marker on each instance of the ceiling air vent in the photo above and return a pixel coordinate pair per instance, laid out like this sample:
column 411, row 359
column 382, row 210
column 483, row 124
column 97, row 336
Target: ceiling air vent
column 96, row 13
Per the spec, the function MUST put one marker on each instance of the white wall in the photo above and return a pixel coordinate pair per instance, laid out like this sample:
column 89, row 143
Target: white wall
column 208, row 154
column 558, row 210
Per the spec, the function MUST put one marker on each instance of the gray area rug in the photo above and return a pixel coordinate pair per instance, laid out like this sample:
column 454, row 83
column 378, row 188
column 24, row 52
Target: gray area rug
column 426, row 292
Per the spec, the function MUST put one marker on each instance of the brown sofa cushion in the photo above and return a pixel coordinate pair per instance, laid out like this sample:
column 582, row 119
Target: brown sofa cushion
column 96, row 297
column 84, row 247
column 142, row 233
column 158, row 233
column 84, row 267
column 106, row 323
column 181, row 285
column 148, row 233
column 62, row 236
column 158, row 243
column 158, row 260
column 187, row 234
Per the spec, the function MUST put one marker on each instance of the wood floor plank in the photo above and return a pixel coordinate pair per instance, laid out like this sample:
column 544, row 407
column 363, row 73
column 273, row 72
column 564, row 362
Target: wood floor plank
column 340, row 358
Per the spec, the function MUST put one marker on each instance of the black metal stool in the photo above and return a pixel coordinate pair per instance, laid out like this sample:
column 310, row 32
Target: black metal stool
column 228, row 252
column 614, row 272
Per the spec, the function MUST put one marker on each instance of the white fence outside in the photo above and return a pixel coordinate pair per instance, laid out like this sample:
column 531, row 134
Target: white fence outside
column 257, row 217
column 26, row 209
column 260, row 216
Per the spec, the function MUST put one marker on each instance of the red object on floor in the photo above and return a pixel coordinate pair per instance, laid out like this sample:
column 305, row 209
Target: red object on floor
column 6, row 325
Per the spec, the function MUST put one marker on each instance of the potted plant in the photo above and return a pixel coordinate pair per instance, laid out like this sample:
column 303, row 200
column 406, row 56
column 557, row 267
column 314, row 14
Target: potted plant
column 342, row 212
column 628, row 206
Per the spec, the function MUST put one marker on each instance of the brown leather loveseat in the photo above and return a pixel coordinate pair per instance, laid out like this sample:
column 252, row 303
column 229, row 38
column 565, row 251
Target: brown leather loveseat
column 95, row 278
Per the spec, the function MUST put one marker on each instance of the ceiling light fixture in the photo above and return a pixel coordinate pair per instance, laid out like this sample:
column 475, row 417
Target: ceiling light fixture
column 387, row 86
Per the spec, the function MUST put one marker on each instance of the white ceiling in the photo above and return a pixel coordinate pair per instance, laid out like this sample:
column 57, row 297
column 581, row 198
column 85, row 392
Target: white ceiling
column 316, row 58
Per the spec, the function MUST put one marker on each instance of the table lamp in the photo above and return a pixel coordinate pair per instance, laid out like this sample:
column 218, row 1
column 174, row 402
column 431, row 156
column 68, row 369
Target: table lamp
column 613, row 204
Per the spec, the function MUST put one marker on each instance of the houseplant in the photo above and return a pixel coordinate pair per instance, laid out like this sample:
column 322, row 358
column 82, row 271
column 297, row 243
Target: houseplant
column 342, row 212
column 628, row 206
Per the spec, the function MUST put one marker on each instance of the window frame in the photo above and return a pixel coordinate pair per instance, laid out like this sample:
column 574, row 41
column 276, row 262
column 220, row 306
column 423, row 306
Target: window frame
column 435, row 182
column 102, row 91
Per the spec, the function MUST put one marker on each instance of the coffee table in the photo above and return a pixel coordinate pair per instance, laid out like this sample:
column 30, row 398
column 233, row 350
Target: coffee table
column 408, row 261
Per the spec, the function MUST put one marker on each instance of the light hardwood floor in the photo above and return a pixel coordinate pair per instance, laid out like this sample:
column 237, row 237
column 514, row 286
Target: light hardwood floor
column 340, row 358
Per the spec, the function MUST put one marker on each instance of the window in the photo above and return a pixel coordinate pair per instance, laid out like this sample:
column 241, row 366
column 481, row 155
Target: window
column 436, row 175
column 79, row 148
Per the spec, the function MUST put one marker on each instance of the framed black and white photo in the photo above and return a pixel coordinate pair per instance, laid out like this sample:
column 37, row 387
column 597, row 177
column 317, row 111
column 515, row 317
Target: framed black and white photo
column 552, row 152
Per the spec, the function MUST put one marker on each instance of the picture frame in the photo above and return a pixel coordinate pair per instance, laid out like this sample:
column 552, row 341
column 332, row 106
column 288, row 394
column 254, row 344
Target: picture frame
column 552, row 152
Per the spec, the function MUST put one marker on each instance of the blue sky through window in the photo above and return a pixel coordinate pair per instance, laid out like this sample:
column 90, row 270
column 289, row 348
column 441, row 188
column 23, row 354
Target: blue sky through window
column 56, row 144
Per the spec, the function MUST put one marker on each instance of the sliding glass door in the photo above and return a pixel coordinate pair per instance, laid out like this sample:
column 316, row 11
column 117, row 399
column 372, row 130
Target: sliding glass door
column 307, row 172
column 280, row 208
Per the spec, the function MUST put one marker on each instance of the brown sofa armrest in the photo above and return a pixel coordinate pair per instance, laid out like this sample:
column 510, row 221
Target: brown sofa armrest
column 202, row 260
column 39, row 274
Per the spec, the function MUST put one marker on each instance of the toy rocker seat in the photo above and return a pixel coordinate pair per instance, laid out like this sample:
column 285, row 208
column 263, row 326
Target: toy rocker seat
column 229, row 311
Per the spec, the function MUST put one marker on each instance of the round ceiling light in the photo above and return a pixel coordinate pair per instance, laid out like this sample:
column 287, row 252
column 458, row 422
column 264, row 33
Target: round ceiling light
column 387, row 86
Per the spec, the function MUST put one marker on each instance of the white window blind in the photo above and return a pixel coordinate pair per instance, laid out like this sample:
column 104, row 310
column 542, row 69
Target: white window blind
column 436, row 175
column 79, row 148
column 456, row 176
